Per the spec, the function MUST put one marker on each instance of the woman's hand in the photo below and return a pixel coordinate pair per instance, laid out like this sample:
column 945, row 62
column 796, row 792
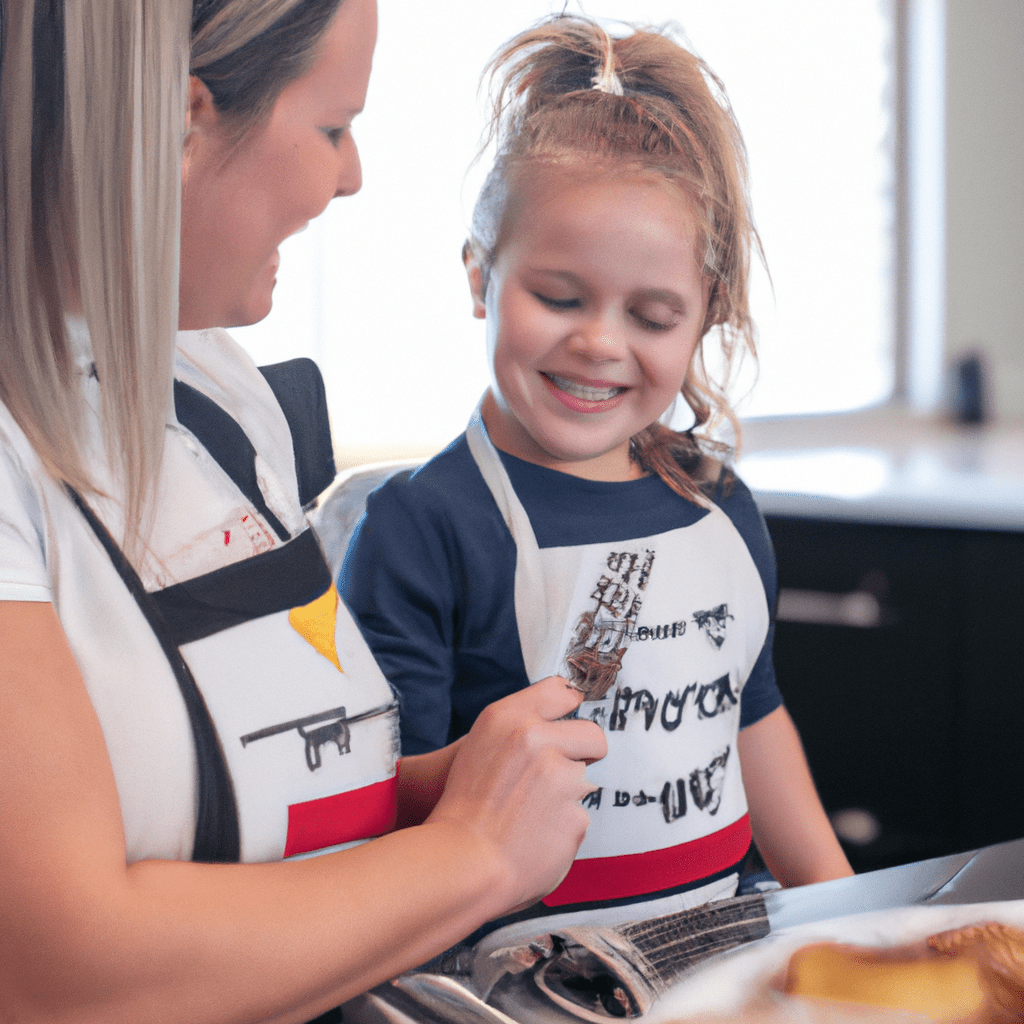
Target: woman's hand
column 517, row 782
column 89, row 938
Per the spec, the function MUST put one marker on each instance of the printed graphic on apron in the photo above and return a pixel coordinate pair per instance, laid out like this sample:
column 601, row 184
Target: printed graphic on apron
column 710, row 700
column 315, row 621
column 603, row 633
column 335, row 730
column 704, row 786
column 712, row 624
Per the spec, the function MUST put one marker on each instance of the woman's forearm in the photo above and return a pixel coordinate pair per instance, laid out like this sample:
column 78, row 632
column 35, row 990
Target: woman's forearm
column 86, row 938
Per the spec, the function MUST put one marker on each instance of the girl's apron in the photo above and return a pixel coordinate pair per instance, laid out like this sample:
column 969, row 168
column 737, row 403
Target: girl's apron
column 661, row 633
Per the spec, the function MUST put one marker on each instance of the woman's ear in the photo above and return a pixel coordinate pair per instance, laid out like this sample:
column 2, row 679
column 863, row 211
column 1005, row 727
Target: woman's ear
column 477, row 284
column 200, row 116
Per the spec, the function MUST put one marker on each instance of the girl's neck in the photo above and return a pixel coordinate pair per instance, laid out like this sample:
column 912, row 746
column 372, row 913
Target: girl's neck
column 507, row 435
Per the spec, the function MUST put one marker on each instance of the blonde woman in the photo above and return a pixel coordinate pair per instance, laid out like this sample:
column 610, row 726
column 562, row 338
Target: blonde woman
column 189, row 713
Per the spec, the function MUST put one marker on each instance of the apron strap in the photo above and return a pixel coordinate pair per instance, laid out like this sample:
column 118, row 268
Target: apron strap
column 531, row 597
column 217, row 837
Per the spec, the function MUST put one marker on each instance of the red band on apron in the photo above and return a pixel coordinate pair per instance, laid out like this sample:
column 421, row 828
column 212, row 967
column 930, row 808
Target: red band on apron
column 612, row 878
column 358, row 814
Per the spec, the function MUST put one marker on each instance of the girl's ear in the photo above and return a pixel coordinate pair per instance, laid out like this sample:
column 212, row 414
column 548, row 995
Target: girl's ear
column 475, row 274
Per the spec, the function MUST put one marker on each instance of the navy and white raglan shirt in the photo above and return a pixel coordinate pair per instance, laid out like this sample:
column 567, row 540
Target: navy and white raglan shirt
column 479, row 573
column 305, row 719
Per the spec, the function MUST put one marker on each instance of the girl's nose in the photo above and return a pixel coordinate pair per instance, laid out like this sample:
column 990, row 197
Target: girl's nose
column 598, row 340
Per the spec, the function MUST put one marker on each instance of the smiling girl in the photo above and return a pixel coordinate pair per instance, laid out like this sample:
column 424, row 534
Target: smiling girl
column 569, row 531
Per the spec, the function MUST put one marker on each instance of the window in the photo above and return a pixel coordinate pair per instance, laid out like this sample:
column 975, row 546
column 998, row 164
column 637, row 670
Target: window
column 375, row 291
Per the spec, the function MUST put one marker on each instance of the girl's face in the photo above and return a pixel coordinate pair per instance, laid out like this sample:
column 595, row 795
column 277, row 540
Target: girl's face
column 240, row 201
column 594, row 306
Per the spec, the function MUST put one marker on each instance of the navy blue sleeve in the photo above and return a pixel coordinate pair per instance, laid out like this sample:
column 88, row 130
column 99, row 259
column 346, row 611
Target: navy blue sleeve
column 429, row 577
column 761, row 693
column 399, row 586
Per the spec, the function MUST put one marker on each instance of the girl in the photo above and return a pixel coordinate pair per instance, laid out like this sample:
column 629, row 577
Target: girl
column 180, row 689
column 568, row 530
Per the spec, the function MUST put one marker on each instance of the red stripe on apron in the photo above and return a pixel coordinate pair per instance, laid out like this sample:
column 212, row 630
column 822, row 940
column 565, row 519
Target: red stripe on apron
column 357, row 814
column 637, row 874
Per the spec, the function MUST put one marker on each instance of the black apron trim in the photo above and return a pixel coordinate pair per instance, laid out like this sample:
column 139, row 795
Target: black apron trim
column 299, row 388
column 227, row 442
column 538, row 911
column 330, row 1017
column 217, row 837
column 282, row 578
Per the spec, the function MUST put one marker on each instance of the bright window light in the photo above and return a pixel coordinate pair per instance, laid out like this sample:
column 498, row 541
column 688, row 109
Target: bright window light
column 375, row 290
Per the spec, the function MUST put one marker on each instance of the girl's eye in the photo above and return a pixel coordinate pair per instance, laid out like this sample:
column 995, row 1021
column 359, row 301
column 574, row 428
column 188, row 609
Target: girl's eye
column 649, row 324
column 560, row 304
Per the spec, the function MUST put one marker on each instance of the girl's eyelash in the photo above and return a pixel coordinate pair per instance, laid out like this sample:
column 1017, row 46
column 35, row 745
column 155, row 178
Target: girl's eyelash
column 652, row 325
column 566, row 304
column 334, row 135
column 557, row 303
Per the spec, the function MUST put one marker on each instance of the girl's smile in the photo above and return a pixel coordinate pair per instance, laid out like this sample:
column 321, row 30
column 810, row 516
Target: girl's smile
column 594, row 306
column 585, row 396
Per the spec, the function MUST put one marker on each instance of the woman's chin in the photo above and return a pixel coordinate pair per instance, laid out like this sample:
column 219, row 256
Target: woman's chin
column 257, row 308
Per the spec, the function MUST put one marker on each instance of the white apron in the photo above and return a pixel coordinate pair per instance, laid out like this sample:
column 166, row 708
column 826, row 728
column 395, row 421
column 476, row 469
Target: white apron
column 307, row 723
column 661, row 632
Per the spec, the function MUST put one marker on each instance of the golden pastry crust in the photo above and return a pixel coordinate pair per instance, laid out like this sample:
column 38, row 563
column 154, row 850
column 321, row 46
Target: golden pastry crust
column 999, row 951
column 970, row 975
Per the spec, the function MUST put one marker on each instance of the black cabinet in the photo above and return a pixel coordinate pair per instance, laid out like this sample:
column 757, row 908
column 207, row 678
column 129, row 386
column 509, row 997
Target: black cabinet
column 900, row 654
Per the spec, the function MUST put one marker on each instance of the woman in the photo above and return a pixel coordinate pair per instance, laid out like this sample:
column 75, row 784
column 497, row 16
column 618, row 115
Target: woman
column 178, row 686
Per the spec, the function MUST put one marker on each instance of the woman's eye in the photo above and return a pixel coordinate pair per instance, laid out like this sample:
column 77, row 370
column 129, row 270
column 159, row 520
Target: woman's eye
column 553, row 303
column 334, row 135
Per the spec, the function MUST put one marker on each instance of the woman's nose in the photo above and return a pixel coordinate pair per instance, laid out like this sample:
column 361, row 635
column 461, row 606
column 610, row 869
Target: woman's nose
column 350, row 177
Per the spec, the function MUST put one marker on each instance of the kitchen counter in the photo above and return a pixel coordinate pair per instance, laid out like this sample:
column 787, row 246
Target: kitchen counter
column 886, row 466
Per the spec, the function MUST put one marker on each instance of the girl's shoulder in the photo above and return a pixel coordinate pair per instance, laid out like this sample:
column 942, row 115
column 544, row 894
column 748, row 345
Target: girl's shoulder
column 726, row 490
column 446, row 495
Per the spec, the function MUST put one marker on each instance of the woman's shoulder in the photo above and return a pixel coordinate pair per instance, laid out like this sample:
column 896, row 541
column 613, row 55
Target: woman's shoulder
column 17, row 456
column 23, row 574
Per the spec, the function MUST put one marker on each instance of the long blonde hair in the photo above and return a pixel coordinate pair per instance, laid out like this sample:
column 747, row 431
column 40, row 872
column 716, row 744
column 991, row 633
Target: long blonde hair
column 92, row 96
column 566, row 89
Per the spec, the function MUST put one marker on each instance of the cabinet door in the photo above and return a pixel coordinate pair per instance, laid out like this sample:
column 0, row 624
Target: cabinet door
column 988, row 632
column 872, row 694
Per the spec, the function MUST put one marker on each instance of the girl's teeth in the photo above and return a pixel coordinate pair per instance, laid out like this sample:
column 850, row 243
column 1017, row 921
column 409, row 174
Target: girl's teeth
column 570, row 387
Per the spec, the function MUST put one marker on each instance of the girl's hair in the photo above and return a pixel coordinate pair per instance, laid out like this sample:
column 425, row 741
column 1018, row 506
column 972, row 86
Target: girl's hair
column 92, row 113
column 566, row 89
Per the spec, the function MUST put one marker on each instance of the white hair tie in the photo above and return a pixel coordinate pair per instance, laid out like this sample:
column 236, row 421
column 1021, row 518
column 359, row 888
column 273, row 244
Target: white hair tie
column 606, row 80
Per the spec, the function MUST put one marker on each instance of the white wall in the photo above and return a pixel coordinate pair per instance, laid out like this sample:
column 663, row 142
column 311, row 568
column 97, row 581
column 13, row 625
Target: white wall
column 985, row 192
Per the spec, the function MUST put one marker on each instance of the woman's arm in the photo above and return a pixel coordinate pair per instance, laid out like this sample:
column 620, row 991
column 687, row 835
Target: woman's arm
column 791, row 830
column 86, row 938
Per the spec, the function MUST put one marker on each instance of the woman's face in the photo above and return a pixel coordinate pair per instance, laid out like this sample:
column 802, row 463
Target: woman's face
column 240, row 201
